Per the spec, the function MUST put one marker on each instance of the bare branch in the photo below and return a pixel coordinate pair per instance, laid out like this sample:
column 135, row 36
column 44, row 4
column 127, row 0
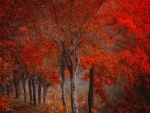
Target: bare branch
column 119, row 31
column 75, row 48
column 99, row 5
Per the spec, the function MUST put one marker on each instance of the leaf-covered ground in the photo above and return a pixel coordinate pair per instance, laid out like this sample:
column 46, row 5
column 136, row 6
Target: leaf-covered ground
column 18, row 106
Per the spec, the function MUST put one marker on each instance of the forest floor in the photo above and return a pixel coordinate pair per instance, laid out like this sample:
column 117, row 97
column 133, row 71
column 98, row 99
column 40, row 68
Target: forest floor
column 18, row 106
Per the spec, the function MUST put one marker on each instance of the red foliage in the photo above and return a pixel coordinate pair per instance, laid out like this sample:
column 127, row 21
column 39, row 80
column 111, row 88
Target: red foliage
column 4, row 103
column 87, row 61
column 52, row 76
column 68, row 73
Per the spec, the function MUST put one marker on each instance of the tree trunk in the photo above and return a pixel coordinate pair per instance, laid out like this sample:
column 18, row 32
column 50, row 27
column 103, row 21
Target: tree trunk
column 24, row 86
column 24, row 89
column 63, row 66
column 11, row 90
column 73, row 92
column 44, row 94
column 73, row 84
column 8, row 89
column 63, row 94
column 16, row 82
column 73, row 71
column 73, row 95
column 16, row 90
column 39, row 94
column 34, row 93
column 30, row 89
column 91, row 89
column 39, row 89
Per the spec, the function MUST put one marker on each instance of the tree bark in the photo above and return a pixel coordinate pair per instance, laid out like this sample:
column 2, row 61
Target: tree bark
column 44, row 94
column 39, row 89
column 46, row 86
column 39, row 94
column 16, row 90
column 91, row 89
column 30, row 89
column 34, row 93
column 73, row 90
column 16, row 82
column 63, row 66
column 73, row 87
column 63, row 94
column 73, row 95
column 73, row 82
column 24, row 87
column 11, row 90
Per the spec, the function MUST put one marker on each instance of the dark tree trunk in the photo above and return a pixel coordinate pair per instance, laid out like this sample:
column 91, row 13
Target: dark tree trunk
column 30, row 89
column 39, row 89
column 34, row 93
column 91, row 89
column 44, row 94
column 24, row 87
column 63, row 66
column 63, row 94
column 11, row 91
column 8, row 89
column 16, row 82
column 39, row 94
column 17, row 91
column 3, row 89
